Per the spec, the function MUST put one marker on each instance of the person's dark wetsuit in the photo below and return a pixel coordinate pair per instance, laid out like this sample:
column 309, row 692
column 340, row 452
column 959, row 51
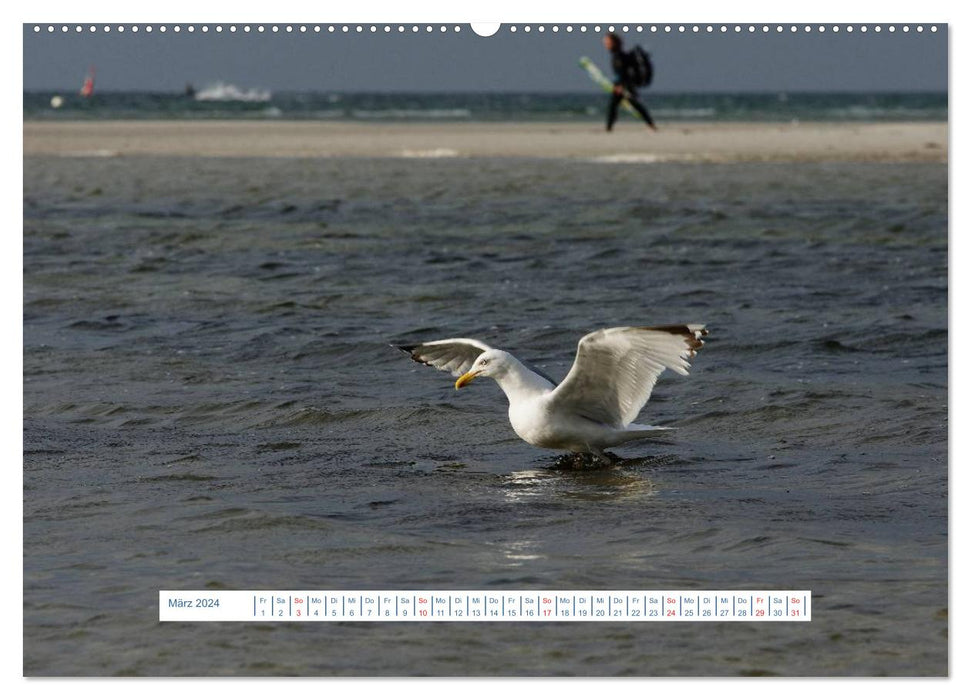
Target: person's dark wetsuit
column 619, row 62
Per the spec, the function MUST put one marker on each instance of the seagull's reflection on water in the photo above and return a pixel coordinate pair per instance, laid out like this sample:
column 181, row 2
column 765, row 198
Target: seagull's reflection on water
column 608, row 483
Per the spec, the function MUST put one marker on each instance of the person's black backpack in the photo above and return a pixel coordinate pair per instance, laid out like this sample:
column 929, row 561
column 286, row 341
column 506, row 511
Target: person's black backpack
column 640, row 70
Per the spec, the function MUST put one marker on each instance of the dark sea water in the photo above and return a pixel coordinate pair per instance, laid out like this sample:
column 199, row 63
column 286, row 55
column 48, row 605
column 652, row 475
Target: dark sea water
column 210, row 401
column 227, row 101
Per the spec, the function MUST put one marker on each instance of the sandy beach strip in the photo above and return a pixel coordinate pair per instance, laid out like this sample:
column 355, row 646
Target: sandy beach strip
column 630, row 142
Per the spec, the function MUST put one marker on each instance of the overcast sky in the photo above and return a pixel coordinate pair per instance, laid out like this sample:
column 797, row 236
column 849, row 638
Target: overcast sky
column 466, row 62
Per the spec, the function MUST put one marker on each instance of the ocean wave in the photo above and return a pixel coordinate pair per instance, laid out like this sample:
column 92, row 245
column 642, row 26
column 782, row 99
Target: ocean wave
column 895, row 113
column 685, row 113
column 411, row 113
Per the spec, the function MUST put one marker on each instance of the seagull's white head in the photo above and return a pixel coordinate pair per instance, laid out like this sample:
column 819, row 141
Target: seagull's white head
column 491, row 363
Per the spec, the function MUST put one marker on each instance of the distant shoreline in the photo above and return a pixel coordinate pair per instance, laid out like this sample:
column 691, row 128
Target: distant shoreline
column 706, row 142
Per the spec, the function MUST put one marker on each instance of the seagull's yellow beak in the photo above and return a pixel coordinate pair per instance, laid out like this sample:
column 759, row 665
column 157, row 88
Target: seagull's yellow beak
column 465, row 379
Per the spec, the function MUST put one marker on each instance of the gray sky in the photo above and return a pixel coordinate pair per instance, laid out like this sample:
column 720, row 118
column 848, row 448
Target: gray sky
column 466, row 62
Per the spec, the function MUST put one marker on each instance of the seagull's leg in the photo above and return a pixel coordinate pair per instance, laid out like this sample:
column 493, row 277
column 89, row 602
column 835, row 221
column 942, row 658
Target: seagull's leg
column 603, row 457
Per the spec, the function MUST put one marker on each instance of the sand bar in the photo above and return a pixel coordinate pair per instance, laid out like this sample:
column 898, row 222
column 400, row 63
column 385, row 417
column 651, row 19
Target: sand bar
column 685, row 142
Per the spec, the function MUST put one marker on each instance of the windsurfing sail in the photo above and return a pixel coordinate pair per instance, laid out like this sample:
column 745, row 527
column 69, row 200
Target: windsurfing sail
column 597, row 76
column 87, row 89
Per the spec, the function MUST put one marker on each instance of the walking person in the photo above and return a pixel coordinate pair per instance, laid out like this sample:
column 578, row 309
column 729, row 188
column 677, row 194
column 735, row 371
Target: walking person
column 625, row 87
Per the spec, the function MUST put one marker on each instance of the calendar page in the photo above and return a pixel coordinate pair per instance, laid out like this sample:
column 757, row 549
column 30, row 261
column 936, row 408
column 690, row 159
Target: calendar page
column 604, row 326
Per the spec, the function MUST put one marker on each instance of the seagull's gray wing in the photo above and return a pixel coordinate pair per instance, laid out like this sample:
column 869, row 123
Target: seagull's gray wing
column 616, row 369
column 455, row 355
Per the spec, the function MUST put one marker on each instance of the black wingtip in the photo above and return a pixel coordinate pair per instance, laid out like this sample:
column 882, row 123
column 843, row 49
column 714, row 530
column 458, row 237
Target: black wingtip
column 404, row 348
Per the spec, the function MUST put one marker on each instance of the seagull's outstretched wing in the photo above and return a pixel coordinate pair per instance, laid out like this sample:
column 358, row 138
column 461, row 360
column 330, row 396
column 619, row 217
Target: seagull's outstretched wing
column 455, row 355
column 616, row 369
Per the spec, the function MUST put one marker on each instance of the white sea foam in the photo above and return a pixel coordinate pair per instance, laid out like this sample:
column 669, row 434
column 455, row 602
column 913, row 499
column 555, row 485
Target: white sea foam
column 96, row 153
column 430, row 153
column 632, row 158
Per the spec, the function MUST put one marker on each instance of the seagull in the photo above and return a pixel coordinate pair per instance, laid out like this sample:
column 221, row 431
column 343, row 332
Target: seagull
column 593, row 408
